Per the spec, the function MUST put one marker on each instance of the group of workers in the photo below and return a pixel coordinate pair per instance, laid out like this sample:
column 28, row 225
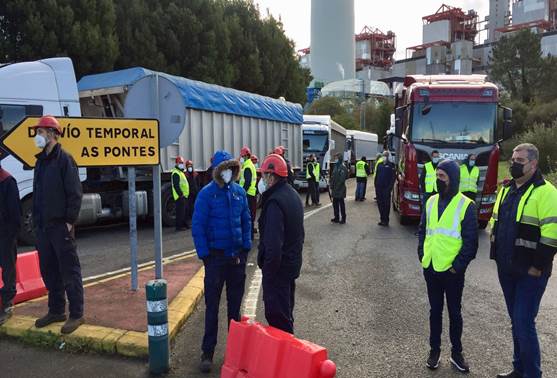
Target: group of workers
column 223, row 215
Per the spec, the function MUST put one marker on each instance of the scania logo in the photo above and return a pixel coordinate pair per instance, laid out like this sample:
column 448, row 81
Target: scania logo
column 453, row 155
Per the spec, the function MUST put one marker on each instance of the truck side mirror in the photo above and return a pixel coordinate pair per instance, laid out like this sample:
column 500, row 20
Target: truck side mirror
column 399, row 116
column 507, row 123
column 332, row 144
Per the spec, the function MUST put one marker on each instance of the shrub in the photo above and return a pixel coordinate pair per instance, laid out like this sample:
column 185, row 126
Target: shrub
column 545, row 138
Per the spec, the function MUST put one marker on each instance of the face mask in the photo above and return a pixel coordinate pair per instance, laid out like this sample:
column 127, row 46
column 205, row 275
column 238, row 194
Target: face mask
column 190, row 169
column 472, row 163
column 392, row 159
column 40, row 141
column 181, row 166
column 435, row 160
column 261, row 186
column 226, row 175
column 242, row 160
column 441, row 187
column 517, row 170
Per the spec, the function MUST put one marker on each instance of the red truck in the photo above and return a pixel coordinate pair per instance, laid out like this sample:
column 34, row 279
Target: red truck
column 456, row 115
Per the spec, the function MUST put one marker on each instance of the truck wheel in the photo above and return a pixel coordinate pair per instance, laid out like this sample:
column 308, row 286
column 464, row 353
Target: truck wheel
column 168, row 207
column 27, row 234
column 482, row 225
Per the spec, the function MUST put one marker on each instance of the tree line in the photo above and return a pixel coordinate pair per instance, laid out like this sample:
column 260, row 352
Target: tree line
column 224, row 42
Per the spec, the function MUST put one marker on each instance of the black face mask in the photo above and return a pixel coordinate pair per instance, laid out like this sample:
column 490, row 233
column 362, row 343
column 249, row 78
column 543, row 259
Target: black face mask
column 442, row 187
column 517, row 170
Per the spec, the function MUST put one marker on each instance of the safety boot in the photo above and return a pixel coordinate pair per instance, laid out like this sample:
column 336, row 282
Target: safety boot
column 6, row 312
column 71, row 325
column 206, row 362
column 49, row 319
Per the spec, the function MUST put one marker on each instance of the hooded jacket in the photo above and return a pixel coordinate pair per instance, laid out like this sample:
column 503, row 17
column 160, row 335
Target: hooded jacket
column 10, row 209
column 221, row 219
column 469, row 225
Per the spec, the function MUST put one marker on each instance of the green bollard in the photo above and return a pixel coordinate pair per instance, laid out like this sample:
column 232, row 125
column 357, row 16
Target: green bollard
column 157, row 326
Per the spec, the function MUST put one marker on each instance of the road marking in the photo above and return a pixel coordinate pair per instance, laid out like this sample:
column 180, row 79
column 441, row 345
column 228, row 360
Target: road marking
column 250, row 300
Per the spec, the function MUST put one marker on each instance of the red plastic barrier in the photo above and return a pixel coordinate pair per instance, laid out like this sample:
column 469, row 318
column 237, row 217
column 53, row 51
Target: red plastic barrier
column 29, row 283
column 257, row 351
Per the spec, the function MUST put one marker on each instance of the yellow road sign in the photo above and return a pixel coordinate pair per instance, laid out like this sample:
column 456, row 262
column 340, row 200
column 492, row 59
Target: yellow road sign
column 93, row 142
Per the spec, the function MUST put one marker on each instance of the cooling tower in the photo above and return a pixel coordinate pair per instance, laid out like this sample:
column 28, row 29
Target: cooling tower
column 332, row 40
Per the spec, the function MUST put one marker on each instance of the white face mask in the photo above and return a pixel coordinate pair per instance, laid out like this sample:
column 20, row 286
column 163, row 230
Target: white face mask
column 190, row 169
column 181, row 166
column 226, row 175
column 261, row 186
column 392, row 159
column 40, row 141
column 242, row 160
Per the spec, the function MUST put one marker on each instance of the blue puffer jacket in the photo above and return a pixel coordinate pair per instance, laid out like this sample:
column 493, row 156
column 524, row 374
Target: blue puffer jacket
column 221, row 219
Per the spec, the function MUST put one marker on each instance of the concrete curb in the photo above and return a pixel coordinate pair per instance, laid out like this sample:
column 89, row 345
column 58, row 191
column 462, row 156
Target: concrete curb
column 104, row 339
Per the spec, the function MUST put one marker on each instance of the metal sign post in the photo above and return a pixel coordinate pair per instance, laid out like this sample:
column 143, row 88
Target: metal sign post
column 133, row 226
column 157, row 194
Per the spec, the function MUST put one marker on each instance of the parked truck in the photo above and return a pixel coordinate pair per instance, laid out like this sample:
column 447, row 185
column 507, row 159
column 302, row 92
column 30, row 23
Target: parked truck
column 216, row 118
column 360, row 144
column 324, row 138
column 456, row 115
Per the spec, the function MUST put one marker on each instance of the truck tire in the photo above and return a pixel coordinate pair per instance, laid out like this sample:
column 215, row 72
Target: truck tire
column 482, row 225
column 27, row 234
column 168, row 207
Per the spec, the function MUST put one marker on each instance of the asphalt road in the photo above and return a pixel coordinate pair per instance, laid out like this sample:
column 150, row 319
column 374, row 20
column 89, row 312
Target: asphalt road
column 361, row 295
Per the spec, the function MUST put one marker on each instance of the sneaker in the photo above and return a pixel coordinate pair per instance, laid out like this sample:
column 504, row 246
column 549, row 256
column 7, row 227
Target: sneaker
column 49, row 319
column 433, row 359
column 6, row 313
column 334, row 220
column 458, row 361
column 512, row 374
column 206, row 362
column 71, row 325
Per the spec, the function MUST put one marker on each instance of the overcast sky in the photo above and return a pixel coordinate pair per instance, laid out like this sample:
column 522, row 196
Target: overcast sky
column 404, row 17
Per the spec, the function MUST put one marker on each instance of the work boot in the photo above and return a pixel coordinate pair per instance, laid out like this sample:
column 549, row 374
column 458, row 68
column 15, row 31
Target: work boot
column 71, row 325
column 512, row 374
column 458, row 361
column 49, row 319
column 6, row 313
column 334, row 220
column 433, row 359
column 343, row 221
column 206, row 362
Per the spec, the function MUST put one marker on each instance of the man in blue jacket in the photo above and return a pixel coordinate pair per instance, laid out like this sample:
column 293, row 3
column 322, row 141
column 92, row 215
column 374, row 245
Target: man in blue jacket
column 221, row 229
column 448, row 241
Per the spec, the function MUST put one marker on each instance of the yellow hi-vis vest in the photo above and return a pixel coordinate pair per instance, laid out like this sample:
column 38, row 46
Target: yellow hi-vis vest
column 248, row 164
column 430, row 178
column 537, row 215
column 469, row 179
column 361, row 169
column 184, row 185
column 316, row 171
column 443, row 239
column 379, row 161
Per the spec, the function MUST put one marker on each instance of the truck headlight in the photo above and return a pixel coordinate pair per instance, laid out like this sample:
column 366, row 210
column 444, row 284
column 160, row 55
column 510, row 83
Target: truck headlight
column 489, row 199
column 411, row 196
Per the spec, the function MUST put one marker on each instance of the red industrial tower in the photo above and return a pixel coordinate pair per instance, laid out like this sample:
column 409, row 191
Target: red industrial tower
column 380, row 47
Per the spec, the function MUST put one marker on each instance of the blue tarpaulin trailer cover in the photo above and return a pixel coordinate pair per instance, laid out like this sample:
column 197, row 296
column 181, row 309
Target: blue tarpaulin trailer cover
column 203, row 96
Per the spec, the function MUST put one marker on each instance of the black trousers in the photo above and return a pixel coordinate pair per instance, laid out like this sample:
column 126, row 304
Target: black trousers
column 339, row 207
column 8, row 257
column 218, row 271
column 181, row 212
column 252, row 203
column 313, row 192
column 60, row 270
column 278, row 297
column 384, row 204
column 439, row 286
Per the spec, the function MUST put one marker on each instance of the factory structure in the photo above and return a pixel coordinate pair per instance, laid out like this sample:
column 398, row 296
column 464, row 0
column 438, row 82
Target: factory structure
column 454, row 41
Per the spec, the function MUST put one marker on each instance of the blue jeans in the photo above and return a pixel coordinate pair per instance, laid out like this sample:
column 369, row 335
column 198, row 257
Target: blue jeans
column 218, row 271
column 523, row 294
column 441, row 285
column 361, row 190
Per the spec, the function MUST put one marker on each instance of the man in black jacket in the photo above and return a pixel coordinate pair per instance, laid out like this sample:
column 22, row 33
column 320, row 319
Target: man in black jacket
column 10, row 223
column 281, row 226
column 384, row 181
column 56, row 203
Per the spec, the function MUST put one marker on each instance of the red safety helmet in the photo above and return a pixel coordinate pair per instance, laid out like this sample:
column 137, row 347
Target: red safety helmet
column 254, row 159
column 279, row 150
column 189, row 162
column 245, row 151
column 48, row 122
column 180, row 160
column 274, row 163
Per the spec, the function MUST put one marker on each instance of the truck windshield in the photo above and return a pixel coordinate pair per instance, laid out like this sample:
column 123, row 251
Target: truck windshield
column 315, row 141
column 454, row 122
